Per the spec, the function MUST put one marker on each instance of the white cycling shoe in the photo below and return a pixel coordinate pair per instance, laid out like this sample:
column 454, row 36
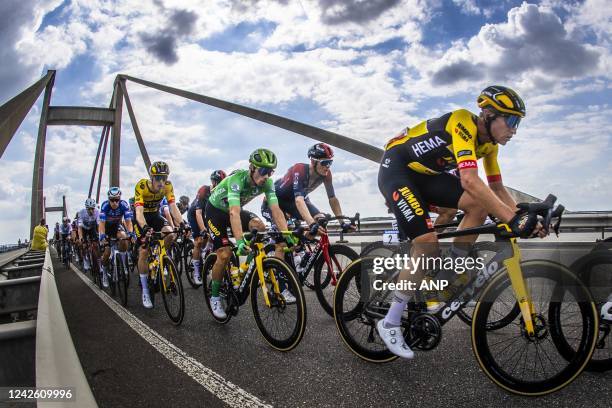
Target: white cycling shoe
column 104, row 279
column 197, row 279
column 394, row 340
column 606, row 311
column 288, row 296
column 146, row 301
column 217, row 309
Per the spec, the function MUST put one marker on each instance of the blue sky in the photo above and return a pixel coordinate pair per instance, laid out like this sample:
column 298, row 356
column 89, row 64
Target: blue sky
column 362, row 69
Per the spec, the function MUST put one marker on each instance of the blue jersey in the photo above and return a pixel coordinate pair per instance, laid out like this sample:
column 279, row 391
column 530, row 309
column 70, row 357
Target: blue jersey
column 110, row 216
column 162, row 206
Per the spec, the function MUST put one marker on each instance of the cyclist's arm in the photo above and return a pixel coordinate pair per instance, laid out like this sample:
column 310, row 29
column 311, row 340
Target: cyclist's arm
column 200, row 220
column 278, row 216
column 176, row 214
column 102, row 227
column 128, row 225
column 140, row 219
column 334, row 203
column 502, row 193
column 475, row 187
column 300, row 204
column 235, row 223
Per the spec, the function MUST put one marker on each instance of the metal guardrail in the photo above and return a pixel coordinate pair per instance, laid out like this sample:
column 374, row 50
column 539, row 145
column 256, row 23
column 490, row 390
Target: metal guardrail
column 11, row 247
column 57, row 363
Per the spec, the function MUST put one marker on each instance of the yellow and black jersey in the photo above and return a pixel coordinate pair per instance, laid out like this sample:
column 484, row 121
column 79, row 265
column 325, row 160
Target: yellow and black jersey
column 144, row 197
column 445, row 143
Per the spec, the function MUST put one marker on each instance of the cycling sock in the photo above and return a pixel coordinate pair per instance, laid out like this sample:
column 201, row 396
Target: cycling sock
column 196, row 266
column 394, row 315
column 214, row 288
column 143, row 282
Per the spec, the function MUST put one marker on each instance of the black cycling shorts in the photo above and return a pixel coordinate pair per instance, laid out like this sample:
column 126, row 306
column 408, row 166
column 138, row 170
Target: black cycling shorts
column 153, row 220
column 289, row 208
column 409, row 194
column 90, row 234
column 218, row 221
column 112, row 228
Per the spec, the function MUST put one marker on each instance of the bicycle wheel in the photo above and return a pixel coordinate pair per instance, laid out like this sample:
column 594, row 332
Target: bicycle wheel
column 506, row 310
column 112, row 278
column 340, row 256
column 533, row 365
column 379, row 248
column 282, row 325
column 595, row 271
column 122, row 284
column 224, row 291
column 356, row 325
column 171, row 288
column 177, row 257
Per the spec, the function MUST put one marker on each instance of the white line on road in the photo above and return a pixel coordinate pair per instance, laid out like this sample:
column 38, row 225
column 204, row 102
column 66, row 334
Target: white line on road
column 223, row 389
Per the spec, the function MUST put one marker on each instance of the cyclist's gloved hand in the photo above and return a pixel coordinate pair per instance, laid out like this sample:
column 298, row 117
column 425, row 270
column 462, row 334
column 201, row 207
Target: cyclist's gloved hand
column 243, row 246
column 146, row 229
column 290, row 239
column 523, row 224
column 313, row 228
column 102, row 237
column 346, row 226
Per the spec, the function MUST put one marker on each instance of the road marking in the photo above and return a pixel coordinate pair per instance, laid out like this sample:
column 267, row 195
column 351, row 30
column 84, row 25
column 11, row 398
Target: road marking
column 226, row 391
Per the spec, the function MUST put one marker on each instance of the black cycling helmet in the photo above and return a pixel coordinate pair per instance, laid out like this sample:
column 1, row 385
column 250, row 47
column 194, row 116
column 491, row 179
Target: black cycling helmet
column 159, row 168
column 501, row 100
column 320, row 151
column 217, row 176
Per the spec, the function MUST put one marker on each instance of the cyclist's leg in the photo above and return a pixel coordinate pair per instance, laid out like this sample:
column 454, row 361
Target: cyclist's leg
column 197, row 244
column 142, row 265
column 217, row 222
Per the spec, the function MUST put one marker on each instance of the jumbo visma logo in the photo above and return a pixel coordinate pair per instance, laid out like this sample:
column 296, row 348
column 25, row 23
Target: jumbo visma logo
column 214, row 229
column 409, row 206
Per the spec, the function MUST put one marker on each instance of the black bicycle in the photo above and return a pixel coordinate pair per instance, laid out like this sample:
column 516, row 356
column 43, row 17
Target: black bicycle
column 118, row 270
column 282, row 324
column 524, row 356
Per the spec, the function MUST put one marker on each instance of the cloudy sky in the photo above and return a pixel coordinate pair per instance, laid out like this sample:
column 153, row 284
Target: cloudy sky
column 364, row 69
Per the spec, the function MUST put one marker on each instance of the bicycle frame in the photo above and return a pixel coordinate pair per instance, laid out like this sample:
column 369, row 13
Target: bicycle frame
column 509, row 256
column 257, row 264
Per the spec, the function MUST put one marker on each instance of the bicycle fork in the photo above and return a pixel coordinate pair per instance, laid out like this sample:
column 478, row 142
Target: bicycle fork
column 261, row 254
column 521, row 292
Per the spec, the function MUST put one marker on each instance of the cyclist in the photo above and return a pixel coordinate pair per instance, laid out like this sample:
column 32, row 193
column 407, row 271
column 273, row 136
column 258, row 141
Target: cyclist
column 300, row 180
column 183, row 204
column 148, row 195
column 224, row 208
column 56, row 234
column 413, row 174
column 196, row 221
column 112, row 213
column 74, row 237
column 65, row 231
column 88, row 227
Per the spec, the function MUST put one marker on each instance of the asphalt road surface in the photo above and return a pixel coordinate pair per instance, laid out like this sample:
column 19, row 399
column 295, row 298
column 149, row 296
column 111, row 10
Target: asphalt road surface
column 148, row 362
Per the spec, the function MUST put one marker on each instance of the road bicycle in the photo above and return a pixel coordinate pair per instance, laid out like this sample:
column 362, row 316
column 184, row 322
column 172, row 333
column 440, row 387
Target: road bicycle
column 524, row 356
column 282, row 325
column 118, row 270
column 164, row 278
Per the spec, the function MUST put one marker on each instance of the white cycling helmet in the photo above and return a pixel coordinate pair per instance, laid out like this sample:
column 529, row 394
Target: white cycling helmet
column 90, row 203
column 114, row 192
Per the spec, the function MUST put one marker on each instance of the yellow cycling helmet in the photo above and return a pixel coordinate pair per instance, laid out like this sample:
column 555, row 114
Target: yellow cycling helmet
column 501, row 100
column 159, row 168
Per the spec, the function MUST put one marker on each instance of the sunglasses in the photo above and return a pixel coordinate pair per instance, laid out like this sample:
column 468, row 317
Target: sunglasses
column 325, row 163
column 160, row 178
column 114, row 200
column 264, row 171
column 512, row 121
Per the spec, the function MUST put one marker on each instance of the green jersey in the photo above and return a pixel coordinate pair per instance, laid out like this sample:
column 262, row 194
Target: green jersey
column 236, row 189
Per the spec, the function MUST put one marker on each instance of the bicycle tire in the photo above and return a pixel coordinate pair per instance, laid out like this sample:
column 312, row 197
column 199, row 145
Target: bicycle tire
column 122, row 283
column 281, row 271
column 379, row 248
column 546, row 383
column 170, row 285
column 322, row 289
column 601, row 360
column 223, row 291
column 374, row 350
